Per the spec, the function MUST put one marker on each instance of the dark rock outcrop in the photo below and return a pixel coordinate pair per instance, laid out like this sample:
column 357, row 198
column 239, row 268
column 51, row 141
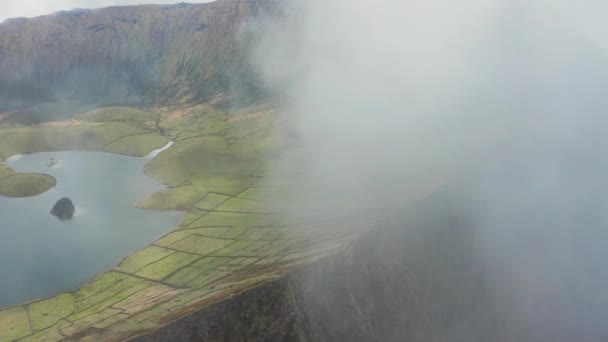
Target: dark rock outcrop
column 64, row 209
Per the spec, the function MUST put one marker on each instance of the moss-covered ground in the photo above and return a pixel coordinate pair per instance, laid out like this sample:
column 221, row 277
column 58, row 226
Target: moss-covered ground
column 25, row 184
column 233, row 235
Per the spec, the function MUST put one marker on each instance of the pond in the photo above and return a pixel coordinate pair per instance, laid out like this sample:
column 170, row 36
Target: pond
column 41, row 256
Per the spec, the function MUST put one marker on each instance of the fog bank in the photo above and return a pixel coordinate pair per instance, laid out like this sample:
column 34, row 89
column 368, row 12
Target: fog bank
column 502, row 100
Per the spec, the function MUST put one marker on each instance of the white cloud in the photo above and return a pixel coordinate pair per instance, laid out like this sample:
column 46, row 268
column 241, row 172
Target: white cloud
column 33, row 8
column 502, row 99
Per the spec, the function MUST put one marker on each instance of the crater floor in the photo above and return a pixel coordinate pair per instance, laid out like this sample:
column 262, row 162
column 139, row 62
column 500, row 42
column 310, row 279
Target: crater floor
column 234, row 235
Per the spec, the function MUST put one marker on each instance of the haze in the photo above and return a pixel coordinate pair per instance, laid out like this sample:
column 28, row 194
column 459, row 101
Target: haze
column 503, row 100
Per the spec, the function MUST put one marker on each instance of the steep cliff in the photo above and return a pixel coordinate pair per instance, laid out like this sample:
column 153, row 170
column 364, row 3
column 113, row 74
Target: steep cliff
column 421, row 285
column 142, row 55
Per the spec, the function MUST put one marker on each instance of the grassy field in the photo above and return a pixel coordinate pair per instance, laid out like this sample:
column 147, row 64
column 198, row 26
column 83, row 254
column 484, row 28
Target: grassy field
column 80, row 136
column 215, row 152
column 125, row 131
column 117, row 114
column 26, row 185
column 233, row 235
column 137, row 145
column 5, row 171
column 44, row 112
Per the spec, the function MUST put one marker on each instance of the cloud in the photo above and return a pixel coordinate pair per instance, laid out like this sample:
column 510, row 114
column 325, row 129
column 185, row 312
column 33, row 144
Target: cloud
column 33, row 8
column 504, row 100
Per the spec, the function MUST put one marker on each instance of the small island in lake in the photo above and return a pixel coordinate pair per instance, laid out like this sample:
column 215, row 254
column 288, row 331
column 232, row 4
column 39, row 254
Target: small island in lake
column 64, row 209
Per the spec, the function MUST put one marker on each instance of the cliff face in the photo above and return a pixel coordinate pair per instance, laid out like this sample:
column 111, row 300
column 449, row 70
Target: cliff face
column 416, row 278
column 139, row 55
column 421, row 285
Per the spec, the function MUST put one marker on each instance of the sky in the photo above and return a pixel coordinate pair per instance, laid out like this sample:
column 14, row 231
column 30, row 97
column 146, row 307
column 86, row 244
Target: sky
column 33, row 8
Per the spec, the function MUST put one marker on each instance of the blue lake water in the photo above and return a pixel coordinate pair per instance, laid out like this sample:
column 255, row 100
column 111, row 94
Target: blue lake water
column 41, row 256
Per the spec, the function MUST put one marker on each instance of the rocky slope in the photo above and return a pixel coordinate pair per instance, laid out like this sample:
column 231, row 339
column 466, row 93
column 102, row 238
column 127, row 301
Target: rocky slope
column 126, row 55
column 422, row 285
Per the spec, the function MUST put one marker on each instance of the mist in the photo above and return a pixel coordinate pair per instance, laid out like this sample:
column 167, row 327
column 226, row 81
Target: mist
column 502, row 102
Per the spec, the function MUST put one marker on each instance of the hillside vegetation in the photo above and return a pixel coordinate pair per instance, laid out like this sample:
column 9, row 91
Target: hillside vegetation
column 127, row 55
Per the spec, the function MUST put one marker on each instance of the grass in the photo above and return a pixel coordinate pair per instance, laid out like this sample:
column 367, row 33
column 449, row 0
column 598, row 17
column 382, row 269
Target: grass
column 215, row 219
column 262, row 194
column 137, row 145
column 130, row 138
column 242, row 248
column 182, row 198
column 14, row 323
column 194, row 168
column 167, row 266
column 211, row 201
column 26, row 185
column 196, row 123
column 193, row 158
column 45, row 112
column 116, row 292
column 189, row 275
column 90, row 319
column 52, row 333
column 45, row 313
column 215, row 150
column 192, row 216
column 243, row 205
column 98, row 285
column 121, row 114
column 201, row 245
column 235, row 232
column 182, row 234
column 84, row 137
column 134, row 302
column 5, row 171
column 230, row 238
column 143, row 258
column 265, row 234
column 105, row 290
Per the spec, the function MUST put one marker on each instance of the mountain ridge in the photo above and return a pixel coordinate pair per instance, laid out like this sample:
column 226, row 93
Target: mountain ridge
column 137, row 55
